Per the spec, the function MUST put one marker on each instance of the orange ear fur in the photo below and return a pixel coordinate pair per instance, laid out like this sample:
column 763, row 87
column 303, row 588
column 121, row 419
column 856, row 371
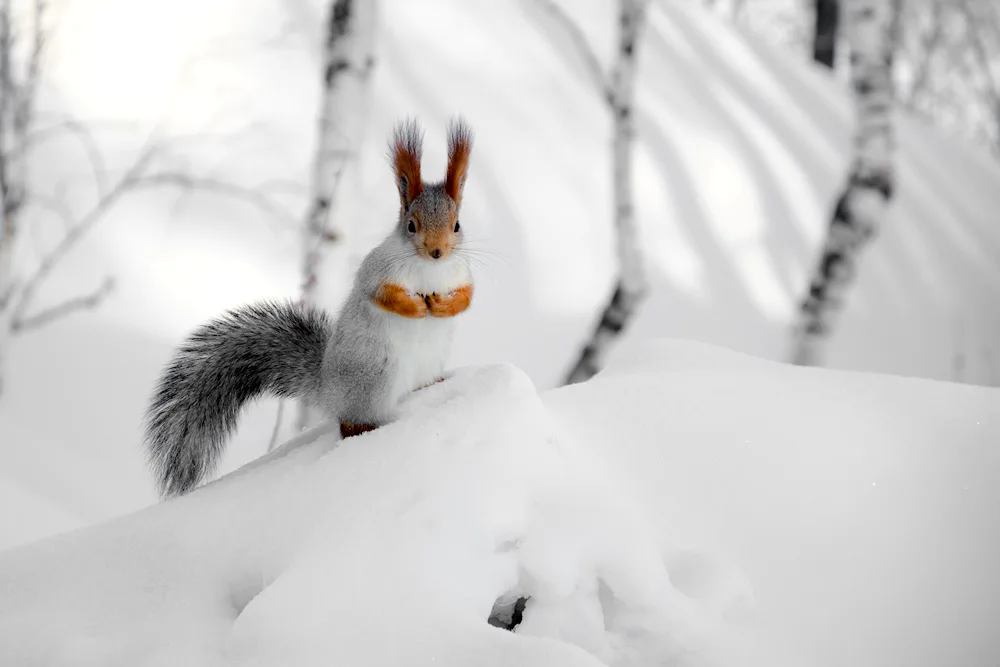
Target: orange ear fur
column 405, row 152
column 459, row 148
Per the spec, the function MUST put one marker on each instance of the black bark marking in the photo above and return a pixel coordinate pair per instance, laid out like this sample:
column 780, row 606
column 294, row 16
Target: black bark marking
column 825, row 36
column 340, row 18
column 334, row 68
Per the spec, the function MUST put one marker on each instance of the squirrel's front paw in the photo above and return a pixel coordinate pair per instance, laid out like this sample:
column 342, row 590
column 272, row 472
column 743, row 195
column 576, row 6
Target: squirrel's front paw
column 450, row 304
column 435, row 304
column 396, row 299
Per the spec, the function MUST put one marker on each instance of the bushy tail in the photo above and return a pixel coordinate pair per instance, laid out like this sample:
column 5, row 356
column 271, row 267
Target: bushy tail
column 262, row 348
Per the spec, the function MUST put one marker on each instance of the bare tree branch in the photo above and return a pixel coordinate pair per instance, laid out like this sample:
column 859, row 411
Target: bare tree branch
column 54, row 205
column 8, row 94
column 24, row 103
column 982, row 55
column 583, row 48
column 7, row 295
column 185, row 181
column 61, row 310
column 77, row 129
column 6, row 54
column 133, row 180
column 22, row 57
column 73, row 237
column 928, row 49
column 277, row 186
column 9, row 198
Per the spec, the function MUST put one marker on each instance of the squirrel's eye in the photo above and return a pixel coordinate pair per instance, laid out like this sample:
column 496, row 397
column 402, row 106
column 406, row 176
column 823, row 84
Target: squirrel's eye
column 412, row 228
column 457, row 226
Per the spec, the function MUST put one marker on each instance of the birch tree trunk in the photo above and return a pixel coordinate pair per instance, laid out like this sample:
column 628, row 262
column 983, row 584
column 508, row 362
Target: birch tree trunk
column 9, row 209
column 825, row 36
column 348, row 54
column 11, row 175
column 347, row 64
column 864, row 203
column 631, row 287
column 6, row 288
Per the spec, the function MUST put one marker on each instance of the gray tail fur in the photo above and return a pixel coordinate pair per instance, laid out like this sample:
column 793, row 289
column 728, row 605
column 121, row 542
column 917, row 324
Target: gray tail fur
column 266, row 347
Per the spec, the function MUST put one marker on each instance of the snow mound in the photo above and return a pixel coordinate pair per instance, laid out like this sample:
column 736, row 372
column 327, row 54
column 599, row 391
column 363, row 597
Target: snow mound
column 860, row 507
column 661, row 514
column 420, row 526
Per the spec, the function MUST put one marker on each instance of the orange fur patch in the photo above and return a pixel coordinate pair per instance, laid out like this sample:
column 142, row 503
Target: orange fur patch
column 405, row 150
column 449, row 305
column 443, row 239
column 395, row 299
column 348, row 429
column 459, row 149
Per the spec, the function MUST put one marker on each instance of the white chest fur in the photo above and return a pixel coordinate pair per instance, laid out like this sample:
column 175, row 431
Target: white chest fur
column 421, row 349
column 426, row 277
column 422, row 345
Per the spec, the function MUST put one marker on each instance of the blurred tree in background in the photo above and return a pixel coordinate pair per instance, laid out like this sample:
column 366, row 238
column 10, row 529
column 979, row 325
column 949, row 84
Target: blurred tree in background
column 947, row 60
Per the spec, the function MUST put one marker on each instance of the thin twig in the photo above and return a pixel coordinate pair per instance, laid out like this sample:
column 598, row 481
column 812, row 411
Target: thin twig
column 277, row 426
column 52, row 204
column 7, row 295
column 83, row 135
column 78, row 232
column 286, row 186
column 982, row 54
column 25, row 101
column 90, row 301
column 583, row 48
column 6, row 53
column 185, row 181
column 928, row 47
column 8, row 93
column 134, row 179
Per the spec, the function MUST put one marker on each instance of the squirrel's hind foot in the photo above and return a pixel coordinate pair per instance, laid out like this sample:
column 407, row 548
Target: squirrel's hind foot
column 348, row 429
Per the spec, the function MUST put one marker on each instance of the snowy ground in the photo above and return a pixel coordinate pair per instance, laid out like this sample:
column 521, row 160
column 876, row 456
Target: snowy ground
column 691, row 506
column 814, row 518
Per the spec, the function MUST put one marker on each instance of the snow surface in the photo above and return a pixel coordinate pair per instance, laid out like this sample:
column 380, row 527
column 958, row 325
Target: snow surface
column 690, row 506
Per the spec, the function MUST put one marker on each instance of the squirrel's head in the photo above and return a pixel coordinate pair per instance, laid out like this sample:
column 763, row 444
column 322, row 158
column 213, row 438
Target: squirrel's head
column 428, row 212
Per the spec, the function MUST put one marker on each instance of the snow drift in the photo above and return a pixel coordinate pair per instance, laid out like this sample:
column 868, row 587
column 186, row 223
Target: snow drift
column 689, row 506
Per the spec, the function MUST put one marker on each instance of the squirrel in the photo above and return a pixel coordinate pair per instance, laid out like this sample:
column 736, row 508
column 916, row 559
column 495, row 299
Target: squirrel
column 392, row 336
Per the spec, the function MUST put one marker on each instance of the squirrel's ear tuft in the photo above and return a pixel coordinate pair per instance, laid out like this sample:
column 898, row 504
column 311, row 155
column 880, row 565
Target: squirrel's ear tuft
column 459, row 148
column 404, row 152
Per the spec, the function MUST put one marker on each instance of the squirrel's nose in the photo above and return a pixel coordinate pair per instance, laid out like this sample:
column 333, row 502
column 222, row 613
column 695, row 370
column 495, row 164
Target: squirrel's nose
column 436, row 253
